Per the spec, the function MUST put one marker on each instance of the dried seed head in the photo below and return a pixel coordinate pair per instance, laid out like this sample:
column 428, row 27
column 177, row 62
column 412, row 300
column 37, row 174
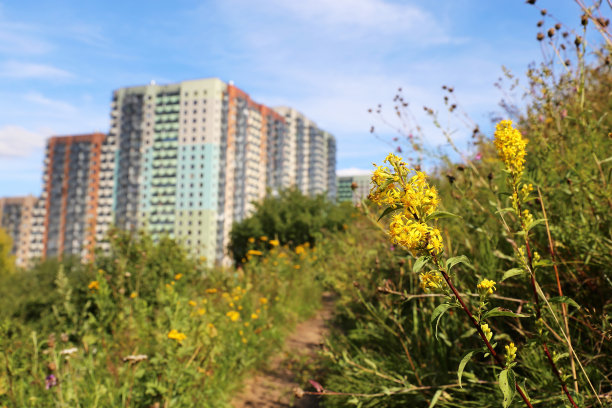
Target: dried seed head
column 558, row 26
column 604, row 22
column 540, row 23
column 530, row 1
column 584, row 20
column 551, row 32
column 565, row 34
column 543, row 12
column 578, row 41
column 540, row 36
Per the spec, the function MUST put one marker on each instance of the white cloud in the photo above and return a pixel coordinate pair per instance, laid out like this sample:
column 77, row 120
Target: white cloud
column 16, row 141
column 353, row 171
column 58, row 106
column 27, row 70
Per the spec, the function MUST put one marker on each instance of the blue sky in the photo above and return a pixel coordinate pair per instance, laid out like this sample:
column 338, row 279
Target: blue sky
column 60, row 61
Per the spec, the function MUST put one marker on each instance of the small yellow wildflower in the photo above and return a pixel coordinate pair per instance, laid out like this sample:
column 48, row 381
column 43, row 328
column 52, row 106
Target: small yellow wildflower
column 211, row 291
column 254, row 316
column 231, row 304
column 487, row 332
column 201, row 311
column 94, row 285
column 233, row 315
column 263, row 238
column 299, row 249
column 192, row 303
column 246, row 324
column 239, row 307
column 297, row 266
column 176, row 335
column 244, row 340
column 510, row 146
column 178, row 276
column 510, row 352
column 240, row 332
column 431, row 281
column 251, row 240
column 254, row 252
column 274, row 242
column 100, row 272
column 487, row 286
column 263, row 300
column 133, row 295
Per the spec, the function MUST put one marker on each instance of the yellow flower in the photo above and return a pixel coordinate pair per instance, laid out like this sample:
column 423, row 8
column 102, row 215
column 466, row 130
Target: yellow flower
column 233, row 315
column 254, row 316
column 510, row 352
column 231, row 304
column 192, row 303
column 263, row 238
column 244, row 340
column 176, row 335
column 178, row 276
column 431, row 281
column 487, row 332
column 299, row 249
column 133, row 295
column 201, row 311
column 263, row 300
column 246, row 324
column 487, row 286
column 251, row 240
column 211, row 291
column 94, row 285
column 100, row 272
column 510, row 146
column 255, row 252
column 274, row 242
column 297, row 266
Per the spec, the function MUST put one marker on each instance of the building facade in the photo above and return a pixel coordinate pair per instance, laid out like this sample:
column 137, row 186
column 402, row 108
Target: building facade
column 74, row 216
column 191, row 158
column 16, row 218
column 353, row 188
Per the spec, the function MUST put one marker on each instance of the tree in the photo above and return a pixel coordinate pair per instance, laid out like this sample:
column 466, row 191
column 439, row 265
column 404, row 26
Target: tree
column 7, row 261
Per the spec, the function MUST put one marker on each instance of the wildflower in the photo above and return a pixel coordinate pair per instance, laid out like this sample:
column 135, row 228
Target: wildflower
column 255, row 252
column 211, row 291
column 244, row 340
column 297, row 266
column 510, row 146
column 251, row 240
column 487, row 332
column 274, row 242
column 263, row 300
column 100, row 272
column 50, row 381
column 178, row 276
column 510, row 352
column 299, row 249
column 94, row 285
column 192, row 303
column 246, row 324
column 69, row 351
column 135, row 358
column 133, row 295
column 233, row 315
column 431, row 281
column 263, row 238
column 239, row 307
column 176, row 335
column 487, row 286
column 201, row 311
column 254, row 316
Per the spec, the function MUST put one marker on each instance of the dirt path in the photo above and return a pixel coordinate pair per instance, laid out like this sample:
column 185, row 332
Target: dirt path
column 273, row 387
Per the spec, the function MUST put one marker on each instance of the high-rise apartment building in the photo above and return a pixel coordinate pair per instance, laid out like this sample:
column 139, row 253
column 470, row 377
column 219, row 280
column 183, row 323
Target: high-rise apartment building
column 192, row 157
column 75, row 199
column 16, row 218
column 354, row 187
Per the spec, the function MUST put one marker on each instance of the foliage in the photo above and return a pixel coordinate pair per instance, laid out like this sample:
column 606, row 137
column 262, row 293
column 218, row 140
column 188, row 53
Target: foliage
column 289, row 218
column 7, row 261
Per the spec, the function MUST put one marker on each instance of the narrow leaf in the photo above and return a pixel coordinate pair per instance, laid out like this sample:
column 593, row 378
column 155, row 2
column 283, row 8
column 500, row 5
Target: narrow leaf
column 388, row 211
column 564, row 299
column 512, row 272
column 462, row 364
column 534, row 223
column 437, row 314
column 450, row 262
column 418, row 265
column 435, row 399
column 437, row 215
column 500, row 311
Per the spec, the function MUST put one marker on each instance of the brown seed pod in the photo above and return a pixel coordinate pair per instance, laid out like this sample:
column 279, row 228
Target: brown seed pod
column 540, row 36
column 584, row 20
column 540, row 23
column 578, row 41
column 543, row 12
column 551, row 32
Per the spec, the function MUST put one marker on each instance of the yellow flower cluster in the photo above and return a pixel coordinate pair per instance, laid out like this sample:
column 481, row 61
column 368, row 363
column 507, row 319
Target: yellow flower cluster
column 94, row 285
column 416, row 199
column 510, row 146
column 510, row 352
column 274, row 242
column 487, row 332
column 233, row 315
column 431, row 281
column 255, row 252
column 176, row 335
column 487, row 286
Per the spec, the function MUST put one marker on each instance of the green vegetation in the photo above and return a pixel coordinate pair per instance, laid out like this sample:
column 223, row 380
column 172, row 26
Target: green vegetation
column 7, row 261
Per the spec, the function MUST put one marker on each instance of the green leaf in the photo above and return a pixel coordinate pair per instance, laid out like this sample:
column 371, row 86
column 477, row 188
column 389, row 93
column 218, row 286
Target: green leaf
column 437, row 215
column 437, row 314
column 418, row 265
column 450, row 262
column 505, row 210
column 564, row 299
column 389, row 210
column 534, row 223
column 507, row 384
column 500, row 311
column 462, row 364
column 512, row 272
column 435, row 399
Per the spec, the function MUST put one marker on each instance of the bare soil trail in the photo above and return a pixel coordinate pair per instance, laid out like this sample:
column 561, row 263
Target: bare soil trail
column 274, row 385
